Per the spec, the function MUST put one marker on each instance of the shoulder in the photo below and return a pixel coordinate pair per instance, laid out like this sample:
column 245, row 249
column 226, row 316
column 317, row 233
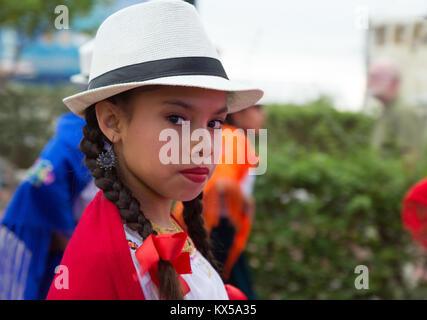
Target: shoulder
column 97, row 258
column 84, row 270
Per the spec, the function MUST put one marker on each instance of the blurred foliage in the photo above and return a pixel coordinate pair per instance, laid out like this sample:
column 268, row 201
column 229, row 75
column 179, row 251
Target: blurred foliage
column 318, row 127
column 27, row 119
column 326, row 204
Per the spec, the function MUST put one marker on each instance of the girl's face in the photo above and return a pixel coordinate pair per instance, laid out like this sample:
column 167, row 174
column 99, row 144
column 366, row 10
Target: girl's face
column 153, row 111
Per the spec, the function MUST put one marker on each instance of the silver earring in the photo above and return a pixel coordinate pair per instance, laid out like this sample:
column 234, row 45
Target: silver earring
column 107, row 159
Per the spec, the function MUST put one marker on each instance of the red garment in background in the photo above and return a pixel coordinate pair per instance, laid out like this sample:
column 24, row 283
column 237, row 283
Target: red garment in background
column 414, row 212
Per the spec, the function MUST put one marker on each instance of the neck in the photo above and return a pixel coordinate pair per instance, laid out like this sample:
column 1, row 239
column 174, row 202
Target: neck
column 155, row 207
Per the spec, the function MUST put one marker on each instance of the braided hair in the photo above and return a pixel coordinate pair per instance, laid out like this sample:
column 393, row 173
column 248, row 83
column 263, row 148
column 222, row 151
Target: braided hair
column 114, row 189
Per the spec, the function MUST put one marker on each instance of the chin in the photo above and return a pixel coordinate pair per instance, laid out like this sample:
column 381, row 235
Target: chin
column 185, row 190
column 188, row 195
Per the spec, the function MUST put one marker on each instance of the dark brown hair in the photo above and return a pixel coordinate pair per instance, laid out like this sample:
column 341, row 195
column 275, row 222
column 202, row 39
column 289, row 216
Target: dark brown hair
column 129, row 207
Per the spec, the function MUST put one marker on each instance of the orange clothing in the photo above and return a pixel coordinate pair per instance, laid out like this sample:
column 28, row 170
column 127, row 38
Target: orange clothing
column 227, row 178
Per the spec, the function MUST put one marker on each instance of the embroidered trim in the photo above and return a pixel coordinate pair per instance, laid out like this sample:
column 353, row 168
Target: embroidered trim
column 189, row 245
column 41, row 172
column 132, row 245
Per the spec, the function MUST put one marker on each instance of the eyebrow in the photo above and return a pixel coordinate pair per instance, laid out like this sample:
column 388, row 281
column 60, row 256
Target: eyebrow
column 191, row 107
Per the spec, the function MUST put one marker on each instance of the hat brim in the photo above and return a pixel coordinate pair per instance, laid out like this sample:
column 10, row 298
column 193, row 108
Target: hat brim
column 239, row 95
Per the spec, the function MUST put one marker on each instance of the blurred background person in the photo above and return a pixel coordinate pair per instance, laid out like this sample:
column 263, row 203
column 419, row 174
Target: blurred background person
column 398, row 127
column 46, row 207
column 228, row 203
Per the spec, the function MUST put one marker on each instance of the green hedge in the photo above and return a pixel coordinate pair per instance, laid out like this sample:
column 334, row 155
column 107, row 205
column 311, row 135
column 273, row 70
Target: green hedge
column 326, row 204
column 317, row 127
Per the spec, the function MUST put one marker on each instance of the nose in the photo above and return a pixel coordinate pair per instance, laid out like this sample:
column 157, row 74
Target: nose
column 199, row 146
column 195, row 152
column 202, row 146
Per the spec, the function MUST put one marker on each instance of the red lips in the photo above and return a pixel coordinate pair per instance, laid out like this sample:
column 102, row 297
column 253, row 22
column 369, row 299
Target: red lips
column 197, row 174
column 196, row 170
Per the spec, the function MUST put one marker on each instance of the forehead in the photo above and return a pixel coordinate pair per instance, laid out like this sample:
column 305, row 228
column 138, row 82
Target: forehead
column 192, row 92
column 192, row 98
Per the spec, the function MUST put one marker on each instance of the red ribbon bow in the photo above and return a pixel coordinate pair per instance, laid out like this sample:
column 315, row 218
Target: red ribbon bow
column 167, row 247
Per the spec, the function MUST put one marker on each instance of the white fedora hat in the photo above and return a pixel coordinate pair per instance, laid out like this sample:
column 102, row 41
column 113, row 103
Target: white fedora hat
column 160, row 42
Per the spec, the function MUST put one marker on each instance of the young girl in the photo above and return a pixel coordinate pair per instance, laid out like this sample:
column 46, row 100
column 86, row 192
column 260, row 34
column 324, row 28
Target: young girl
column 153, row 67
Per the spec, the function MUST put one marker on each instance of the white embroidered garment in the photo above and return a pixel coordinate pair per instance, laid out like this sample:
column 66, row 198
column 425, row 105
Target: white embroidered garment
column 204, row 282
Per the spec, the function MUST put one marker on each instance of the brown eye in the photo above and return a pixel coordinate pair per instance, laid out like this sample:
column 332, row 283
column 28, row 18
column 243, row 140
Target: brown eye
column 175, row 119
column 215, row 124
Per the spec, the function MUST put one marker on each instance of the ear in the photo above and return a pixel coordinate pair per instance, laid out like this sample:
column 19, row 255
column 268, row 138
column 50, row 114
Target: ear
column 110, row 120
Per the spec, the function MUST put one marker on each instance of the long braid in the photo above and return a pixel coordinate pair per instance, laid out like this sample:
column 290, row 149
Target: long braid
column 193, row 218
column 128, row 206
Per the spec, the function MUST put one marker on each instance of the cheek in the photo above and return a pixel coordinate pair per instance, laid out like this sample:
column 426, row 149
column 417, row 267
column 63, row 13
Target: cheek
column 141, row 150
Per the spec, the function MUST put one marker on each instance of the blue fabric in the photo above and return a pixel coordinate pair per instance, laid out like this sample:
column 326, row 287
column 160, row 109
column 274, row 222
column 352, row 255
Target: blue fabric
column 44, row 201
